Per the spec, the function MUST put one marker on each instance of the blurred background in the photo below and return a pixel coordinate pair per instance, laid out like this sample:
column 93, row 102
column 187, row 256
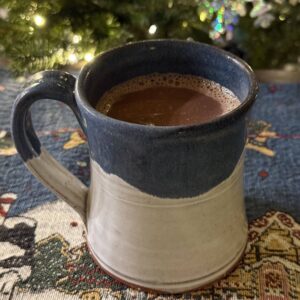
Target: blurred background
column 37, row 35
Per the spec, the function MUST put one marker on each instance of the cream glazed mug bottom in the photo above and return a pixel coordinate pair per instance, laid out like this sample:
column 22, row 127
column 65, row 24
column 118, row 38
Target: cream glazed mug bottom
column 165, row 207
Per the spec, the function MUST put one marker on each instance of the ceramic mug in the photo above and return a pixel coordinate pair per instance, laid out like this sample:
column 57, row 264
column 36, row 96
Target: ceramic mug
column 165, row 207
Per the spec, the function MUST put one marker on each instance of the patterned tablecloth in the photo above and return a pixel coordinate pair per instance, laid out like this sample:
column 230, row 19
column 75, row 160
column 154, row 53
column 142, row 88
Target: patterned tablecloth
column 43, row 254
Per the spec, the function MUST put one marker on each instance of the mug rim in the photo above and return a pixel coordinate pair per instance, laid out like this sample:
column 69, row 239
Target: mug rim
column 216, row 122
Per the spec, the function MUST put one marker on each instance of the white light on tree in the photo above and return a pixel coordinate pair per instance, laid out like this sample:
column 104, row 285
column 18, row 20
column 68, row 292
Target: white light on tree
column 88, row 56
column 76, row 38
column 72, row 58
column 152, row 29
column 39, row 20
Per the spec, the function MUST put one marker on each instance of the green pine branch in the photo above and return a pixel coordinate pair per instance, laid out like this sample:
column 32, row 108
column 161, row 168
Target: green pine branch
column 75, row 28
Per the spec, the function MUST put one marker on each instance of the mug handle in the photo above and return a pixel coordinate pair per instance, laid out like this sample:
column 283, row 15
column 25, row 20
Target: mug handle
column 55, row 85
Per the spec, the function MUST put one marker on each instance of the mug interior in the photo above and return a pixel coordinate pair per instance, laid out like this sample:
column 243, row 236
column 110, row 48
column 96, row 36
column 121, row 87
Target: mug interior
column 165, row 56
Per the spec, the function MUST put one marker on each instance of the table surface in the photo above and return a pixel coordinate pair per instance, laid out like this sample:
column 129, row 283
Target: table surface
column 272, row 183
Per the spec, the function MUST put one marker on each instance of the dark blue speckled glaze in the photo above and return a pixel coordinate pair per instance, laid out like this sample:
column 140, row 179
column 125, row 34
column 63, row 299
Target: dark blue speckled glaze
column 173, row 161
column 56, row 85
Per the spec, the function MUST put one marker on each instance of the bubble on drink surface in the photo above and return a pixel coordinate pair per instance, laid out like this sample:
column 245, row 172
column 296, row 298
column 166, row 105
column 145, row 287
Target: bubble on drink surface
column 223, row 95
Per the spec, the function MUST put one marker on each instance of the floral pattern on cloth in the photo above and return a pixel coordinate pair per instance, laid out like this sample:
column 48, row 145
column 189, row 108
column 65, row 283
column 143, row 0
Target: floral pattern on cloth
column 76, row 138
column 259, row 132
column 50, row 258
column 7, row 147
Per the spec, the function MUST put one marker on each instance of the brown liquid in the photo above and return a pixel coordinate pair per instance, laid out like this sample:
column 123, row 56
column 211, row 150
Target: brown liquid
column 166, row 100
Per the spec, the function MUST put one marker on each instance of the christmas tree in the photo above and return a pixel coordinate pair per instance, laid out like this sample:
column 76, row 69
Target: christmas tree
column 48, row 34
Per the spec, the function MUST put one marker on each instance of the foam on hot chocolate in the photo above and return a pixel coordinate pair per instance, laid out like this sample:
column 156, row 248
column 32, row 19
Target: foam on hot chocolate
column 167, row 99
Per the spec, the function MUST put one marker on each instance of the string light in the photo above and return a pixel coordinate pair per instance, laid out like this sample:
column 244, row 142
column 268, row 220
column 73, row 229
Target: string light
column 39, row 20
column 214, row 35
column 202, row 16
column 72, row 58
column 76, row 38
column 219, row 28
column 281, row 17
column 152, row 29
column 31, row 29
column 109, row 20
column 184, row 24
column 88, row 57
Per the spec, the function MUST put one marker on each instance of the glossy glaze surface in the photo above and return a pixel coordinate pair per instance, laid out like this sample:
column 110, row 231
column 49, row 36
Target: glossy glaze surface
column 162, row 243
column 165, row 206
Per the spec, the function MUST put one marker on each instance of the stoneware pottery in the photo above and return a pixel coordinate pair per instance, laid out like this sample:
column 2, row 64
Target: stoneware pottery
column 165, row 208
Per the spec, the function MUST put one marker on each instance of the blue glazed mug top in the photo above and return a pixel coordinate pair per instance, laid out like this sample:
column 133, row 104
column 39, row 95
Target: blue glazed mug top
column 144, row 156
column 161, row 56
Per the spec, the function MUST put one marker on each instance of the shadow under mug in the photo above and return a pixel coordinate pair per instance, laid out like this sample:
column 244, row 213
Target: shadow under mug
column 165, row 208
